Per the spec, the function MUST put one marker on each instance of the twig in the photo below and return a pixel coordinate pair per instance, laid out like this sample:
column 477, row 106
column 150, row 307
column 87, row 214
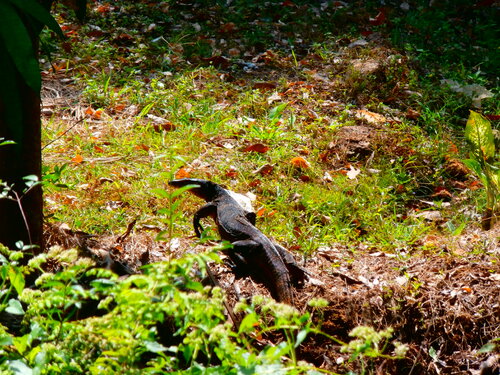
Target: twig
column 229, row 309
column 63, row 133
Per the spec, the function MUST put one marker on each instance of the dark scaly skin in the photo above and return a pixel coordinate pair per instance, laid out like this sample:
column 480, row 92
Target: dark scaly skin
column 237, row 226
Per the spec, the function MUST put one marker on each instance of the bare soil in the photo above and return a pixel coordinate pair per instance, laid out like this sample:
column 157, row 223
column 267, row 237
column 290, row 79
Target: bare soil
column 445, row 302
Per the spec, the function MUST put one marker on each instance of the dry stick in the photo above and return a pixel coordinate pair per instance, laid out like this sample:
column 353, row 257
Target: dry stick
column 63, row 133
column 18, row 200
column 229, row 309
column 122, row 237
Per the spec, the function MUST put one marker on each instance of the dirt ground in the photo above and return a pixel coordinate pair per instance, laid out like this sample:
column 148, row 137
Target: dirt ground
column 443, row 304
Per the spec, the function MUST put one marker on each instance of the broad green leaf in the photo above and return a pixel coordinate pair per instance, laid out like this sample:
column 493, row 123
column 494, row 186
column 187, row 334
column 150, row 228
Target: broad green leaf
column 39, row 13
column 475, row 166
column 160, row 193
column 154, row 346
column 5, row 340
column 16, row 279
column 479, row 133
column 18, row 367
column 487, row 348
column 17, row 41
column 181, row 190
column 300, row 337
column 277, row 111
column 15, row 307
column 248, row 322
column 3, row 143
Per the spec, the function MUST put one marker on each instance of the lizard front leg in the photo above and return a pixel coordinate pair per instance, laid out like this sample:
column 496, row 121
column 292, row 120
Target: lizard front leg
column 210, row 209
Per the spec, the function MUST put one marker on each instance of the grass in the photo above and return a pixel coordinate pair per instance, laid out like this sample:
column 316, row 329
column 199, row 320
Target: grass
column 211, row 113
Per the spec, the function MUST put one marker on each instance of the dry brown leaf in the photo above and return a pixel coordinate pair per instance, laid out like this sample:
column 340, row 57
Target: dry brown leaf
column 265, row 170
column 257, row 147
column 371, row 117
column 264, row 85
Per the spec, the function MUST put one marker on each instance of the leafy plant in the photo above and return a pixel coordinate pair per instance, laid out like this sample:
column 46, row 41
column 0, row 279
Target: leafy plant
column 484, row 162
column 368, row 344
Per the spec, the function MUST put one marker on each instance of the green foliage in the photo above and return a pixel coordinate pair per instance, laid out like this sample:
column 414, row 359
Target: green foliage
column 85, row 320
column 484, row 161
column 368, row 344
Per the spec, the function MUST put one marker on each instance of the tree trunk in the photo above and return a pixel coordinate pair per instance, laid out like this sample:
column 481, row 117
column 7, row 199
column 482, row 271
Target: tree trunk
column 21, row 219
column 16, row 162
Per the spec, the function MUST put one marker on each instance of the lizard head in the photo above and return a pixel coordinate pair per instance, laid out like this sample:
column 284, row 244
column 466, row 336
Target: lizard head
column 204, row 189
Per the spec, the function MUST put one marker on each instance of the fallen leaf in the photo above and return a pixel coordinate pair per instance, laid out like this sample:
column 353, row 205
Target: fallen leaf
column 412, row 114
column 78, row 159
column 430, row 215
column 104, row 180
column 379, row 19
column 142, row 147
column 217, row 61
column 265, row 170
column 300, row 162
column 492, row 117
column 297, row 232
column 257, row 147
column 232, row 173
column 264, row 85
column 228, row 27
column 98, row 149
column 327, row 177
column 371, row 117
column 182, row 173
column 255, row 183
column 273, row 98
column 161, row 124
column 352, row 173
column 97, row 114
column 260, row 212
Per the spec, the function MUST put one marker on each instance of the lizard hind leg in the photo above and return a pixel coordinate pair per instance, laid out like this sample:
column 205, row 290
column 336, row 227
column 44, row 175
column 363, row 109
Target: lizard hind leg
column 264, row 268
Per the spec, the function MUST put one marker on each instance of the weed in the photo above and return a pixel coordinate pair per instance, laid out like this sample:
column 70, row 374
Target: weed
column 484, row 162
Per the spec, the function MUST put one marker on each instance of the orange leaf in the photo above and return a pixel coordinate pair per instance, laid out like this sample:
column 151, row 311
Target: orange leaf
column 89, row 111
column 260, row 212
column 98, row 149
column 467, row 289
column 257, row 147
column 119, row 107
column 97, row 114
column 300, row 162
column 182, row 173
column 142, row 146
column 77, row 159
